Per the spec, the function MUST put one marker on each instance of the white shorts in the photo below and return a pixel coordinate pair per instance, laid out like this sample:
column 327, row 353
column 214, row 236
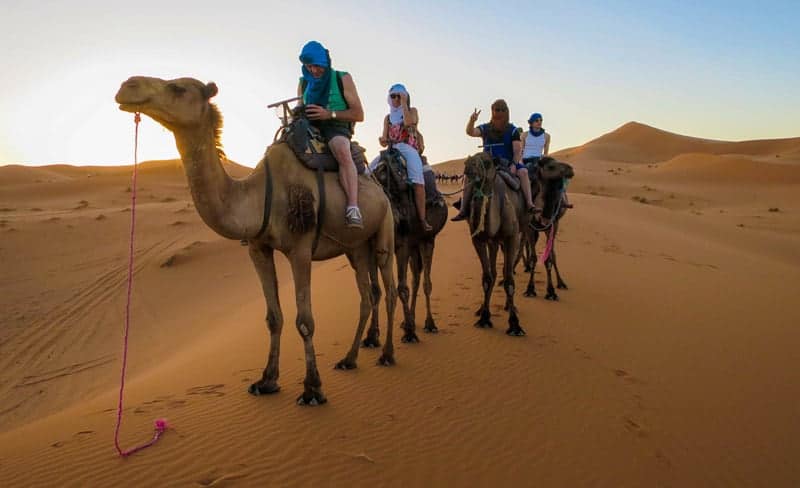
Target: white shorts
column 413, row 163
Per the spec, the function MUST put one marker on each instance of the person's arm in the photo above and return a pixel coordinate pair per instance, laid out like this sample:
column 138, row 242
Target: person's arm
column 410, row 115
column 355, row 112
column 546, row 144
column 420, row 142
column 471, row 129
column 522, row 146
column 384, row 139
column 517, row 146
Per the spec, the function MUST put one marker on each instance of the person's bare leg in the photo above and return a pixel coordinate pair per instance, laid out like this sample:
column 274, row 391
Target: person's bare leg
column 466, row 198
column 419, row 199
column 525, row 182
column 340, row 147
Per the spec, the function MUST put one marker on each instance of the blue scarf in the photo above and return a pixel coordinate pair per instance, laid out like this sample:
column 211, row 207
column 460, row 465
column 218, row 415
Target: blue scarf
column 317, row 89
column 537, row 133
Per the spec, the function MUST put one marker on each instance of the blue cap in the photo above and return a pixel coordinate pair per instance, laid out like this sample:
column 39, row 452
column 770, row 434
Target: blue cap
column 534, row 116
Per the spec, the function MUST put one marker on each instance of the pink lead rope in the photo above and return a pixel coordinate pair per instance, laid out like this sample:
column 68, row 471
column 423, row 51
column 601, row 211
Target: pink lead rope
column 160, row 424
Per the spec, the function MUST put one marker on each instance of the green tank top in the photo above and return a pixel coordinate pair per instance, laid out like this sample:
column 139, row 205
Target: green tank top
column 336, row 99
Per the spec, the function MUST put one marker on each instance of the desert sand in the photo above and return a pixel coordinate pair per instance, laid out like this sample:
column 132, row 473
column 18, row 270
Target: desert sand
column 672, row 360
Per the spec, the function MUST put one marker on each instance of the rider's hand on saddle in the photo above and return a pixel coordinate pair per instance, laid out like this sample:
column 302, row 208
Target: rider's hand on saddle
column 383, row 141
column 315, row 112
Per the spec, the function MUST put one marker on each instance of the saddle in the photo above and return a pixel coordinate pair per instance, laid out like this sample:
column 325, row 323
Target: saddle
column 393, row 164
column 312, row 150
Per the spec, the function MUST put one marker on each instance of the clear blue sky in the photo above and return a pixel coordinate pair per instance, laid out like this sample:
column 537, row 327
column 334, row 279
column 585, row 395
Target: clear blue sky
column 726, row 70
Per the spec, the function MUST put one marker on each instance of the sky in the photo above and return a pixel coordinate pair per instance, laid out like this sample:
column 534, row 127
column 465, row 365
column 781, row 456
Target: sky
column 715, row 69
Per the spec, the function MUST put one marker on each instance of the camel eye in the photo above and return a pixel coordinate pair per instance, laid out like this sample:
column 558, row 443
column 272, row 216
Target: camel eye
column 176, row 89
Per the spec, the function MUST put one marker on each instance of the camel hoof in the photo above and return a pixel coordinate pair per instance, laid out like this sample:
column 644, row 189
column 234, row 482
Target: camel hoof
column 562, row 286
column 311, row 399
column 410, row 338
column 430, row 327
column 485, row 322
column 551, row 295
column 371, row 343
column 386, row 360
column 263, row 388
column 530, row 293
column 345, row 365
column 515, row 331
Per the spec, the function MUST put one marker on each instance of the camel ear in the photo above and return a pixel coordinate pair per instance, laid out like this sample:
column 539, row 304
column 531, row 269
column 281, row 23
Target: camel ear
column 210, row 89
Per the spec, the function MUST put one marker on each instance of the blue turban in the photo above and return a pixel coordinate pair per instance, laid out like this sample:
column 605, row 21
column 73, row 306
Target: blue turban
column 534, row 116
column 317, row 89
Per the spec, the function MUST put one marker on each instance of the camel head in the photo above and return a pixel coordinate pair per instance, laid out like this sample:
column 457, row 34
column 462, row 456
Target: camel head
column 178, row 103
column 479, row 167
column 552, row 169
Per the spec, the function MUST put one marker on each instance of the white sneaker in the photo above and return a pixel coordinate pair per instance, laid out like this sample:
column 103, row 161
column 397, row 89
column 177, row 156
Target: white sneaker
column 352, row 218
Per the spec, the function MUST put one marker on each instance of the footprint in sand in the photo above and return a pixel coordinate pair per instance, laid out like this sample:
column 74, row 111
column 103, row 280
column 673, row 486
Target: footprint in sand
column 217, row 478
column 634, row 427
column 207, row 390
column 621, row 373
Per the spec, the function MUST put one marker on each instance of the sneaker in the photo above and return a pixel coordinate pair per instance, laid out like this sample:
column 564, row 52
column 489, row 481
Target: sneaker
column 352, row 218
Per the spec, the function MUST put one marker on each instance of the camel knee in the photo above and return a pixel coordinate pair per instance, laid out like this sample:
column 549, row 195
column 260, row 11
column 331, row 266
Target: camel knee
column 274, row 322
column 305, row 326
column 376, row 293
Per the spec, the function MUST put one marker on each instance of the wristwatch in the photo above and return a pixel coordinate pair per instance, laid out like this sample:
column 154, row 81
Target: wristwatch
column 333, row 114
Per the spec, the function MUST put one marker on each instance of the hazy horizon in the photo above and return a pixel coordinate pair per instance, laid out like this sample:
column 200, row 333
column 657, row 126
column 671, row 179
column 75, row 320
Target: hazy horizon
column 716, row 70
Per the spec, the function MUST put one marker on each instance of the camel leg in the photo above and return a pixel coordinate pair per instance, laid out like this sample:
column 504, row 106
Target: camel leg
column 373, row 333
column 301, row 270
column 264, row 262
column 548, row 265
column 360, row 261
column 487, row 282
column 511, row 247
column 559, row 282
column 426, row 248
column 409, row 324
column 415, row 260
column 531, row 290
column 384, row 253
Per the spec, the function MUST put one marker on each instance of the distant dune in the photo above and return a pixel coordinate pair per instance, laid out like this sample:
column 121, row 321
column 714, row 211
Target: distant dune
column 639, row 143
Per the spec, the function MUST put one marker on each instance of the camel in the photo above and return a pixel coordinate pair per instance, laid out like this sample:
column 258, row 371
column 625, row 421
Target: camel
column 495, row 218
column 412, row 245
column 547, row 187
column 241, row 209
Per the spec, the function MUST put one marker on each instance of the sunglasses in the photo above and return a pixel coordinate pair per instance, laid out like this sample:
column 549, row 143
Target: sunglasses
column 394, row 96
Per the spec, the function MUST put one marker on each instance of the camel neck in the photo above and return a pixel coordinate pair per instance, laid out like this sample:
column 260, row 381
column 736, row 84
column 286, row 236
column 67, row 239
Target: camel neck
column 217, row 197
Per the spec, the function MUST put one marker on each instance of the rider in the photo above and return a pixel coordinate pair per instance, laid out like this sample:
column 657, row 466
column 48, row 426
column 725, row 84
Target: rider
column 332, row 105
column 400, row 129
column 501, row 139
column 536, row 145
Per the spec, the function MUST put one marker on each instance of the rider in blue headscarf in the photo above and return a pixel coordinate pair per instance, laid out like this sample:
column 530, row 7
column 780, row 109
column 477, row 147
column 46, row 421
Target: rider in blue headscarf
column 317, row 89
column 332, row 106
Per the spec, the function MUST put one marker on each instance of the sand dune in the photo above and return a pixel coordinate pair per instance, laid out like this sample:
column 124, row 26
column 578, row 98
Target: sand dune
column 670, row 361
column 639, row 143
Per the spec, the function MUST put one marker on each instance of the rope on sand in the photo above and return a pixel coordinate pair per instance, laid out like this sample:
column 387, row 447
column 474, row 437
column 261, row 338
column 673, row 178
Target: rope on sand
column 160, row 424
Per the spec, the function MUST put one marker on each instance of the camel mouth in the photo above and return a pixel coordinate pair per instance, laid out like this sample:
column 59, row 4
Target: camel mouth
column 132, row 107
